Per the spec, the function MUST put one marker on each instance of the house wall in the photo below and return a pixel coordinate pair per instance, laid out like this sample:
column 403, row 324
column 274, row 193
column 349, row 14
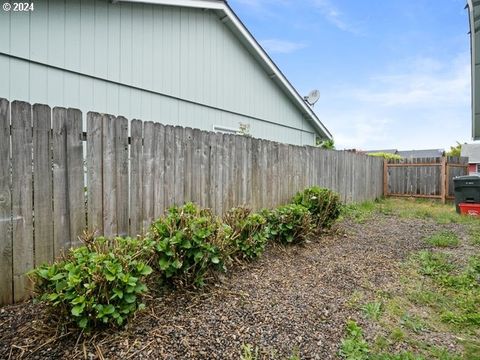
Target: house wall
column 172, row 65
column 472, row 169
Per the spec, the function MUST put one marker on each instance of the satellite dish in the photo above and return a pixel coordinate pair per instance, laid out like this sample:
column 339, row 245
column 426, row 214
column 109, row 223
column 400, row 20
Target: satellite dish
column 312, row 97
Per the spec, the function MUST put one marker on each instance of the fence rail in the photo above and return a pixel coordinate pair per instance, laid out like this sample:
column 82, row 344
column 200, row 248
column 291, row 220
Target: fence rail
column 423, row 177
column 58, row 179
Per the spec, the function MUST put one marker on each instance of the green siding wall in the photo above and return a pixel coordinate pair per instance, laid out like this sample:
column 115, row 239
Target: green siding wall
column 167, row 64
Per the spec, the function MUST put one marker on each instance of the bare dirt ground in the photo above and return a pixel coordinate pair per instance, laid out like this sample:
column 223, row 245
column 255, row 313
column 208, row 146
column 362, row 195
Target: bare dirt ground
column 292, row 298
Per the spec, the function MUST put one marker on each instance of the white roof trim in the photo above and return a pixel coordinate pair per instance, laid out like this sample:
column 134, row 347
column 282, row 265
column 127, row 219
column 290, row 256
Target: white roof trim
column 243, row 32
column 202, row 4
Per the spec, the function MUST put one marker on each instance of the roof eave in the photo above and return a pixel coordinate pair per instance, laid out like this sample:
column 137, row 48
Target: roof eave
column 241, row 30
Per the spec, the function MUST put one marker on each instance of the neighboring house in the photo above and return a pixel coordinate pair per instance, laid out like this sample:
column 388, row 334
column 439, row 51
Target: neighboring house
column 411, row 154
column 185, row 62
column 474, row 17
column 472, row 151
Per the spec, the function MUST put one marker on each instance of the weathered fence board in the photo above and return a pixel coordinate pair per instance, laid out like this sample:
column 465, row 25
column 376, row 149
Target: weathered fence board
column 6, row 251
column 42, row 184
column 131, row 181
column 149, row 146
column 94, row 172
column 22, row 191
column 61, row 228
column 75, row 175
column 136, row 178
column 110, row 220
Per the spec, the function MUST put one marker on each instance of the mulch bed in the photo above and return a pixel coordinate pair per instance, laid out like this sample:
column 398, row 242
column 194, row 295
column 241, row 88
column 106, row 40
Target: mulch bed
column 292, row 298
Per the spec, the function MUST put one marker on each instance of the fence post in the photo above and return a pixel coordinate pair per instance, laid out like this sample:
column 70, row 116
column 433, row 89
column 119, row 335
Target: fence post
column 385, row 177
column 443, row 179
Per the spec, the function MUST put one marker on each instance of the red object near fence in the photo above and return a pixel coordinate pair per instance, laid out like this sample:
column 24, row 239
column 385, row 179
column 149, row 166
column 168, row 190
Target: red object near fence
column 469, row 209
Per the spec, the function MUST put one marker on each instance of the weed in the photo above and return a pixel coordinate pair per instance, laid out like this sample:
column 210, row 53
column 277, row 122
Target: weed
column 443, row 239
column 373, row 310
column 433, row 263
column 413, row 323
column 397, row 335
column 248, row 352
column 354, row 346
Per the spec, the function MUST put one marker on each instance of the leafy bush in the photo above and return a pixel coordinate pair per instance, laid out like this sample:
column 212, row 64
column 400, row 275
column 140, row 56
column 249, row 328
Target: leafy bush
column 387, row 156
column 99, row 283
column 323, row 204
column 289, row 224
column 188, row 242
column 248, row 237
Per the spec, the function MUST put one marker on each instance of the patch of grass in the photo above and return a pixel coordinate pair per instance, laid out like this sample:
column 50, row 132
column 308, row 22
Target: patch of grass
column 443, row 239
column 413, row 323
column 397, row 335
column 360, row 212
column 373, row 310
column 474, row 235
column 426, row 297
column 425, row 209
column 433, row 263
column 437, row 291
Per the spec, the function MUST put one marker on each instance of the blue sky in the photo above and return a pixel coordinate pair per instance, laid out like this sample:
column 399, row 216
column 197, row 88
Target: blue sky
column 392, row 73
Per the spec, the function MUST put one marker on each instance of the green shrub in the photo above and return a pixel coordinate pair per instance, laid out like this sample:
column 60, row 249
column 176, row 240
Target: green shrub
column 323, row 204
column 289, row 224
column 248, row 237
column 188, row 242
column 99, row 283
column 387, row 156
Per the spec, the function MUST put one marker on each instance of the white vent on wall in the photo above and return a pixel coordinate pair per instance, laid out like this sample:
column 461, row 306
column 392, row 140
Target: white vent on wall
column 226, row 130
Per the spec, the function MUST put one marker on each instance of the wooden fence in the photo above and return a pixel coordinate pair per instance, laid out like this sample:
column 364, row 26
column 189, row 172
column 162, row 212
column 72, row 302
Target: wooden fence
column 423, row 177
column 45, row 202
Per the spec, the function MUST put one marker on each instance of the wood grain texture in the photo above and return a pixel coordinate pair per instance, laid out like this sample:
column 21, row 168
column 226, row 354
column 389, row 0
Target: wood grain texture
column 61, row 219
column 6, row 245
column 75, row 176
column 169, row 181
column 121, row 159
column 110, row 221
column 148, row 192
column 179, row 165
column 22, row 195
column 95, row 172
column 159, row 191
column 136, row 178
column 43, row 184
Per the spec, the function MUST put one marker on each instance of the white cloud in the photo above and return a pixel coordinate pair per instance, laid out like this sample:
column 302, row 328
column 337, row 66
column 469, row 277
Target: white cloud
column 335, row 16
column 418, row 103
column 281, row 46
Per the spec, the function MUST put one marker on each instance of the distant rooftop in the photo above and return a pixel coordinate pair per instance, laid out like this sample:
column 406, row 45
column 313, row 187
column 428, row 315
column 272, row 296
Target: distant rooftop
column 411, row 153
